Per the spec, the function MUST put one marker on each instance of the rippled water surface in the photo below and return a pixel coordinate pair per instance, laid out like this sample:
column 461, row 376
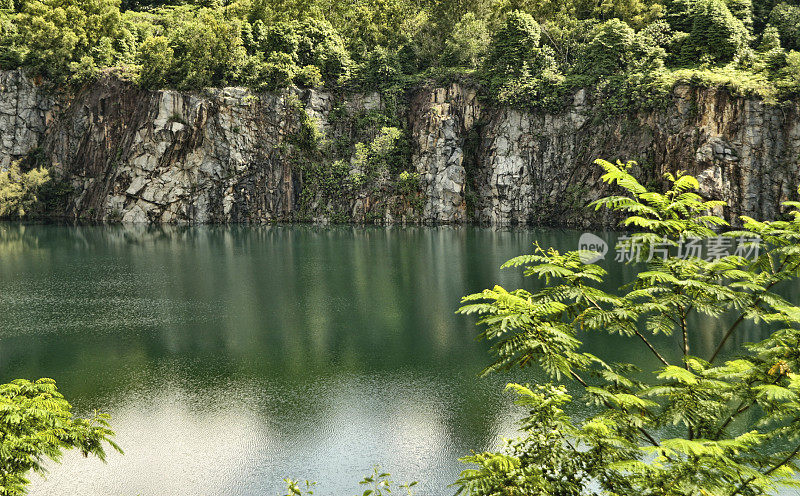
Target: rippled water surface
column 232, row 357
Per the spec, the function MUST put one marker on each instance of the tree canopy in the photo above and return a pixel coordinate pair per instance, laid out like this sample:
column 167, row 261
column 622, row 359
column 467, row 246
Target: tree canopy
column 37, row 424
column 522, row 52
column 724, row 424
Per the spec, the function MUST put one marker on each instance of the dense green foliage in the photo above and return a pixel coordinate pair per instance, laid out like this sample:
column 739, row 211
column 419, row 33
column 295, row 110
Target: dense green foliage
column 36, row 424
column 361, row 153
column 698, row 425
column 522, row 52
column 19, row 190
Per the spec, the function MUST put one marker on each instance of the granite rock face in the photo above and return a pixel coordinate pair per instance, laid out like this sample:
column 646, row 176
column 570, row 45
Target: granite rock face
column 537, row 168
column 25, row 113
column 163, row 157
column 230, row 155
column 440, row 120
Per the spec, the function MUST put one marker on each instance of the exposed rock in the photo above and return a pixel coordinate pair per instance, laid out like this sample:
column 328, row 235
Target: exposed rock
column 537, row 168
column 25, row 113
column 440, row 119
column 227, row 155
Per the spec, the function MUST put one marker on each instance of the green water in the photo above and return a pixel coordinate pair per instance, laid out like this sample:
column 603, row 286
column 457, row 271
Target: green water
column 232, row 357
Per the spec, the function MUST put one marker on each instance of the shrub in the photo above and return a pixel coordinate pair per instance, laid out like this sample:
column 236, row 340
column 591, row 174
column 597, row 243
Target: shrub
column 468, row 42
column 308, row 77
column 380, row 69
column 312, row 42
column 207, row 51
column 408, row 183
column 321, row 46
column 19, row 190
column 56, row 38
column 383, row 154
column 788, row 77
column 742, row 10
column 715, row 32
column 277, row 72
column 770, row 39
column 515, row 44
column 517, row 71
column 156, row 60
column 280, row 37
column 84, row 70
column 611, row 48
column 786, row 19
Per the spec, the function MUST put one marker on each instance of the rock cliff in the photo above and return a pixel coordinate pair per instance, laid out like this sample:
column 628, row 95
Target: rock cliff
column 229, row 155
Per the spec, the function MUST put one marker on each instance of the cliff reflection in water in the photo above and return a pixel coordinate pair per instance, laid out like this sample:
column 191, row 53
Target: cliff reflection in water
column 231, row 357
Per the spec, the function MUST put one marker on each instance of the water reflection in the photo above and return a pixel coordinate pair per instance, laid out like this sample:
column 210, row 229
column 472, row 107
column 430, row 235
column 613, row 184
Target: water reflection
column 231, row 357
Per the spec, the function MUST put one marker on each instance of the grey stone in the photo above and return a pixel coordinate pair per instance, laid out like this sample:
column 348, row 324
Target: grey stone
column 225, row 155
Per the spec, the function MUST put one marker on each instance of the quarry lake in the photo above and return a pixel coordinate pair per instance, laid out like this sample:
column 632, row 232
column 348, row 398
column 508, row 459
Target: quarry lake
column 232, row 357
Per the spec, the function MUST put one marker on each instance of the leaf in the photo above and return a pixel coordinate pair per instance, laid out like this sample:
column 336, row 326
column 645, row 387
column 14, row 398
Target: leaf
column 678, row 374
column 685, row 183
column 773, row 392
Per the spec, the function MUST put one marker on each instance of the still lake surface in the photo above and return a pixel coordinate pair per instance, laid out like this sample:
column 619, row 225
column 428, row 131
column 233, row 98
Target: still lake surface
column 232, row 357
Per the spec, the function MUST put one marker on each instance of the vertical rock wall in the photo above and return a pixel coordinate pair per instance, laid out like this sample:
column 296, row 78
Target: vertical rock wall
column 229, row 155
column 167, row 156
column 25, row 113
column 537, row 168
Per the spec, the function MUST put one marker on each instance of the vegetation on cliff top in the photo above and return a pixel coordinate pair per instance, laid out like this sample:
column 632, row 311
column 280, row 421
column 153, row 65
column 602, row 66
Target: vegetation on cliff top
column 522, row 52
